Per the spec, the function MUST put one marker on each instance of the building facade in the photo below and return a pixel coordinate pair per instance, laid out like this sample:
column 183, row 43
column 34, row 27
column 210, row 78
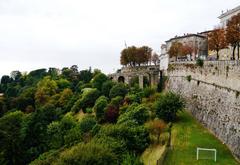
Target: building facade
column 226, row 16
column 197, row 41
column 226, row 54
column 164, row 58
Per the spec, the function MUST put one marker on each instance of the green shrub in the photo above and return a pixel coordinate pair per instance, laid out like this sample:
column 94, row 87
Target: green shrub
column 199, row 62
column 89, row 110
column 10, row 138
column 140, row 114
column 73, row 136
column 87, row 100
column 118, row 90
column 131, row 159
column 87, row 123
column 99, row 107
column 131, row 98
column 58, row 129
column 161, row 84
column 135, row 90
column 189, row 78
column 46, row 158
column 168, row 105
column 117, row 146
column 117, row 101
column 148, row 91
column 63, row 83
column 88, row 154
column 134, row 81
column 135, row 137
column 98, row 81
column 106, row 87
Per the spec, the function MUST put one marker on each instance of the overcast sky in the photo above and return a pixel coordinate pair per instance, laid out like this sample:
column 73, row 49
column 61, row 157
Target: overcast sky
column 57, row 33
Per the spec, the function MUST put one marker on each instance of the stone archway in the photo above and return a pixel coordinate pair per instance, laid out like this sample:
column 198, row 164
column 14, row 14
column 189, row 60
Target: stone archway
column 121, row 79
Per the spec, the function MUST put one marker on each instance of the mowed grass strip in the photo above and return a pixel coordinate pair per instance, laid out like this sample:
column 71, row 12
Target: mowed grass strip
column 152, row 154
column 187, row 135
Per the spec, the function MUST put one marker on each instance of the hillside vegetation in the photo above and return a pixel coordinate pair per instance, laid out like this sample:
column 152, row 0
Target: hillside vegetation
column 79, row 117
column 73, row 117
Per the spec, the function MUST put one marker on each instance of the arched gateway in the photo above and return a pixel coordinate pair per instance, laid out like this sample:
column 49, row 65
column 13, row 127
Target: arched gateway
column 127, row 73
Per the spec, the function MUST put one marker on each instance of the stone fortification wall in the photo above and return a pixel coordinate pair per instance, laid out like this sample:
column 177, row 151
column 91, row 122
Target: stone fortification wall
column 213, row 97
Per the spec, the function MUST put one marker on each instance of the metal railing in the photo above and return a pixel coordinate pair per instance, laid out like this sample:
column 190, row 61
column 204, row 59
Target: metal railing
column 206, row 62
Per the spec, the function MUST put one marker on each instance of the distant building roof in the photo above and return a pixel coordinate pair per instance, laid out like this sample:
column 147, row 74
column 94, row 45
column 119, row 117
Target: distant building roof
column 185, row 36
column 229, row 12
column 205, row 32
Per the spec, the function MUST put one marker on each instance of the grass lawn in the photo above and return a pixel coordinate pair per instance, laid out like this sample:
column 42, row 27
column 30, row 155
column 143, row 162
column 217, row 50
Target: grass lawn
column 187, row 135
column 152, row 154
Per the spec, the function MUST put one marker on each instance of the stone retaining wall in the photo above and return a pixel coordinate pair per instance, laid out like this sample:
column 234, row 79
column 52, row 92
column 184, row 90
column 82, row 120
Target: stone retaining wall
column 213, row 101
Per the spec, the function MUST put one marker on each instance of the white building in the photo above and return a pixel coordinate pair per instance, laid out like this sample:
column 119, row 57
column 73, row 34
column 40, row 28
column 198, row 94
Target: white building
column 226, row 54
column 164, row 58
column 197, row 41
column 225, row 17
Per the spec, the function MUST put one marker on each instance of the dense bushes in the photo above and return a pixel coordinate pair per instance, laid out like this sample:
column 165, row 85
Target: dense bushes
column 87, row 124
column 10, row 138
column 135, row 137
column 86, row 154
column 78, row 118
column 99, row 107
column 139, row 114
column 87, row 100
column 118, row 90
column 106, row 87
column 199, row 62
column 98, row 81
column 168, row 105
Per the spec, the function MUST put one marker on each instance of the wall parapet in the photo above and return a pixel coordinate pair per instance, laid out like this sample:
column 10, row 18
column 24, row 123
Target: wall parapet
column 221, row 73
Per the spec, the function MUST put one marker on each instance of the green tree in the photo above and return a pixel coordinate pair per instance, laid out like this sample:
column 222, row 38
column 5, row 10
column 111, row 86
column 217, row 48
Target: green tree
column 65, row 97
column 135, row 137
column 87, row 100
column 106, row 87
column 10, row 137
column 168, row 105
column 139, row 114
column 86, row 154
column 6, row 79
column 98, row 81
column 16, row 75
column 86, row 76
column 63, row 83
column 45, row 89
column 25, row 99
column 87, row 124
column 35, row 132
column 53, row 72
column 58, row 129
column 100, row 104
column 119, row 89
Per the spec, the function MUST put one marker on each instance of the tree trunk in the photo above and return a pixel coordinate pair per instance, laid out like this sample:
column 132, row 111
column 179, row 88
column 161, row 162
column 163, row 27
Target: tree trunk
column 233, row 53
column 238, row 50
column 217, row 55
